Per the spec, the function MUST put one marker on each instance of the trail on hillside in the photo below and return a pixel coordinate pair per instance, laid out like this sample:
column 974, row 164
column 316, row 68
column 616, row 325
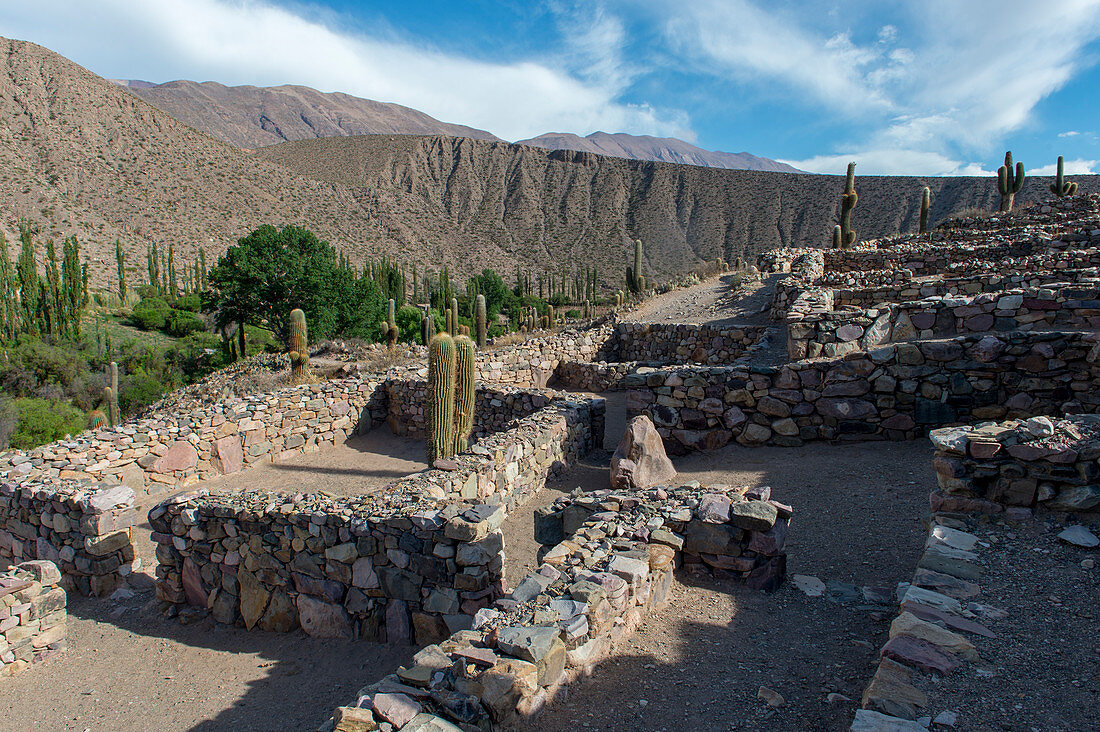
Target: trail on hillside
column 711, row 302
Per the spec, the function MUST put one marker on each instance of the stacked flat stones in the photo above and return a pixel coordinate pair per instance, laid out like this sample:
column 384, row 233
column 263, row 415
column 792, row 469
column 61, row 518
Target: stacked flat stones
column 81, row 526
column 591, row 591
column 681, row 343
column 1018, row 466
column 935, row 633
column 32, row 615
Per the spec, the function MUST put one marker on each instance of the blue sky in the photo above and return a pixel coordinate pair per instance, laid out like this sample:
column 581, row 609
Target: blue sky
column 934, row 87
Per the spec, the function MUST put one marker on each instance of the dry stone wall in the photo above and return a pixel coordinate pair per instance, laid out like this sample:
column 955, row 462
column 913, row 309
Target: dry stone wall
column 409, row 562
column 891, row 392
column 612, row 565
column 680, row 343
column 1018, row 466
column 32, row 615
column 81, row 527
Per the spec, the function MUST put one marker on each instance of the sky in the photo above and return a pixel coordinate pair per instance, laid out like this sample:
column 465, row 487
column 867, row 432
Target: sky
column 935, row 87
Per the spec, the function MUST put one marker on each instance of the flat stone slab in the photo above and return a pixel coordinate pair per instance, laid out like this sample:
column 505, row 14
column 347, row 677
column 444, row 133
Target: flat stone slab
column 1079, row 536
column 867, row 720
column 919, row 654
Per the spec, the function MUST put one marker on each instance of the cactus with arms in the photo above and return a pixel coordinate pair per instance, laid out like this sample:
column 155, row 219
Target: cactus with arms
column 299, row 348
column 1009, row 183
column 848, row 202
column 441, row 397
column 1060, row 187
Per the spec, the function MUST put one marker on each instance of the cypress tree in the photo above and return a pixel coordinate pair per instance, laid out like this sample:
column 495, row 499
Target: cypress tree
column 72, row 288
column 28, row 281
column 120, row 261
column 173, row 290
column 9, row 297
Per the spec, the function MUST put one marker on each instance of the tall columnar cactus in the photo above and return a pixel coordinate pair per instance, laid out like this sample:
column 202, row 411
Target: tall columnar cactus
column 1009, row 183
column 97, row 420
column 114, row 414
column 110, row 396
column 465, row 366
column 848, row 202
column 481, row 320
column 587, row 309
column 550, row 314
column 925, row 204
column 1060, row 187
column 441, row 397
column 635, row 280
column 427, row 326
column 299, row 348
column 391, row 323
column 838, row 237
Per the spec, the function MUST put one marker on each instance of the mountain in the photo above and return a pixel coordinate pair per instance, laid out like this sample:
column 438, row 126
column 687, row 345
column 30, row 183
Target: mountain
column 253, row 116
column 80, row 155
column 660, row 149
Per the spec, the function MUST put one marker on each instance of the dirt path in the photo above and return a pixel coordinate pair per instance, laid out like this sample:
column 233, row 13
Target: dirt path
column 711, row 301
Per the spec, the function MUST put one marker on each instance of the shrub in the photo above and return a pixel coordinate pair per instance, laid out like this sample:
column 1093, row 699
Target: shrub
column 181, row 323
column 138, row 391
column 150, row 313
column 191, row 303
column 45, row 420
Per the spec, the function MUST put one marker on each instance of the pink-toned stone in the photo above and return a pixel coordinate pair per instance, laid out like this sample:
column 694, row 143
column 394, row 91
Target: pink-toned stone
column 228, row 455
column 192, row 584
column 983, row 450
column 640, row 460
column 180, row 456
column 397, row 709
column 919, row 654
column 951, row 620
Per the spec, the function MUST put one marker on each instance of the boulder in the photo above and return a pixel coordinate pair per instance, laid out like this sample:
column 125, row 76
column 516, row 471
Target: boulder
column 640, row 460
column 182, row 455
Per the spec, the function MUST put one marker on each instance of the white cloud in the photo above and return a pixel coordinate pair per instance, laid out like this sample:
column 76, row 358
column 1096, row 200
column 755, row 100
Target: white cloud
column 1070, row 167
column 1069, row 133
column 888, row 162
column 257, row 42
column 968, row 74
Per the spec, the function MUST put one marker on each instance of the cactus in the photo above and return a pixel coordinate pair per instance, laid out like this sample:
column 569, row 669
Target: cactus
column 635, row 280
column 114, row 414
column 848, row 201
column 1009, row 184
column 481, row 318
column 97, row 420
column 465, row 366
column 925, row 204
column 838, row 237
column 587, row 309
column 1060, row 187
column 299, row 344
column 550, row 314
column 441, row 397
column 391, row 323
column 427, row 328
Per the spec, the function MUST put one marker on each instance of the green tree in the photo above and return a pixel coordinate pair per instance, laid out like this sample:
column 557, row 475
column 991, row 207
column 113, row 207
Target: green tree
column 270, row 272
column 120, row 260
column 28, row 280
column 9, row 295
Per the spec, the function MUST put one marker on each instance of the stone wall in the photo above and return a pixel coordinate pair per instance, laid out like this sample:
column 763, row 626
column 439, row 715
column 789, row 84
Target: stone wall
column 418, row 554
column 891, row 392
column 1018, row 466
column 595, row 376
column 495, row 407
column 533, row 362
column 814, row 330
column 680, row 343
column 32, row 615
column 910, row 290
column 83, row 528
column 590, row 592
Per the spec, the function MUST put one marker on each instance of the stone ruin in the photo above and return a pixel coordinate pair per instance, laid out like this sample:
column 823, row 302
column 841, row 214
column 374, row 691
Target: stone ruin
column 989, row 324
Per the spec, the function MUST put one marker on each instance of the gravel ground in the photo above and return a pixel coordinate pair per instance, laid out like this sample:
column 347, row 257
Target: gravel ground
column 1022, row 684
column 711, row 301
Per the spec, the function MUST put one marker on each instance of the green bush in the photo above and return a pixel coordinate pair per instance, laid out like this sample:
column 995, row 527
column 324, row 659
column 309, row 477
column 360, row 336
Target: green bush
column 182, row 323
column 45, row 420
column 139, row 390
column 150, row 313
column 574, row 314
column 191, row 303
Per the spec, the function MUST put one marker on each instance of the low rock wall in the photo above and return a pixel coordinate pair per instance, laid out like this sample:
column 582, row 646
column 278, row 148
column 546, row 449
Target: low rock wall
column 588, row 595
column 494, row 407
column 81, row 527
column 813, row 331
column 410, row 559
column 891, row 392
column 1017, row 466
column 32, row 615
column 595, row 376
